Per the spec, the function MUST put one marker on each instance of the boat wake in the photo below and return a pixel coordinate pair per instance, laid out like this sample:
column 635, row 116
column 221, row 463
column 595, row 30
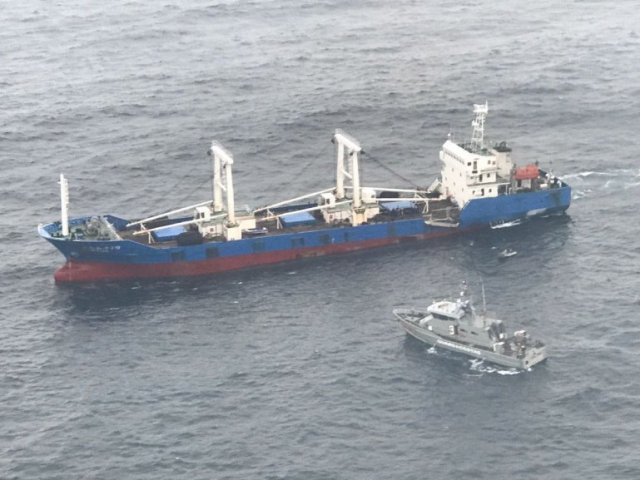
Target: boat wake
column 586, row 183
column 512, row 223
column 620, row 172
column 477, row 365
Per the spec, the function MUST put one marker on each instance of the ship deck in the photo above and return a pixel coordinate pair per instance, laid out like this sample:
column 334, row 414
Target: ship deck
column 271, row 227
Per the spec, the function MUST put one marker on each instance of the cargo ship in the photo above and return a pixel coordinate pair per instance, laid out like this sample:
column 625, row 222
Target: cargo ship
column 480, row 186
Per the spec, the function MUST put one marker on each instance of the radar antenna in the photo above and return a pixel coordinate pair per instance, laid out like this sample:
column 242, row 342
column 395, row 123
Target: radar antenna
column 477, row 137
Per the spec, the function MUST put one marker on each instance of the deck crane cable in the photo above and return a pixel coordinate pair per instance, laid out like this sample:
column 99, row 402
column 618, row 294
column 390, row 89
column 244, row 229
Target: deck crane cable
column 192, row 191
column 389, row 169
column 304, row 168
column 209, row 180
column 312, row 159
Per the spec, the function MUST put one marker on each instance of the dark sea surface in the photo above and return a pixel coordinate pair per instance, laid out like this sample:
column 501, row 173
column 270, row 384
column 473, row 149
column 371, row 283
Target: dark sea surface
column 299, row 371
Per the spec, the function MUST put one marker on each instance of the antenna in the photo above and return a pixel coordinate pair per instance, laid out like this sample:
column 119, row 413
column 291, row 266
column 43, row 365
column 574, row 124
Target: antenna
column 477, row 137
column 463, row 289
column 484, row 301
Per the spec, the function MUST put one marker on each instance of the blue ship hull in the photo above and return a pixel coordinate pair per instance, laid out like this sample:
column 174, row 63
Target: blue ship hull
column 94, row 260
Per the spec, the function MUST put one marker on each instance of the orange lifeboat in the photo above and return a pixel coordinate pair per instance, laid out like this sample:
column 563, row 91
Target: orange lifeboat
column 528, row 172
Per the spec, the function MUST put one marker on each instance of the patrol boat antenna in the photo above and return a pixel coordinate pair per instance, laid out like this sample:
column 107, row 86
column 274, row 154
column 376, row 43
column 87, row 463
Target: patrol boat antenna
column 484, row 301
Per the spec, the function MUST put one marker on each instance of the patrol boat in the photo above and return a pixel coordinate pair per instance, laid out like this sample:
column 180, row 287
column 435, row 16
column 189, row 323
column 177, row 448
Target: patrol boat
column 455, row 326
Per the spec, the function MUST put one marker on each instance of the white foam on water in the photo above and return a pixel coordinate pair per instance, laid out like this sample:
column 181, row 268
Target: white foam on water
column 578, row 194
column 478, row 365
column 590, row 173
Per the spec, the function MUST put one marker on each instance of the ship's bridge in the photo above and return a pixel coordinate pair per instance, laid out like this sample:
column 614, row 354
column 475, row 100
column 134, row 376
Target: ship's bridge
column 448, row 310
column 473, row 170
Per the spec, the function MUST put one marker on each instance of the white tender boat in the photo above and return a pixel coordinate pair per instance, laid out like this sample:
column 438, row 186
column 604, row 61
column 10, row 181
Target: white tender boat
column 506, row 253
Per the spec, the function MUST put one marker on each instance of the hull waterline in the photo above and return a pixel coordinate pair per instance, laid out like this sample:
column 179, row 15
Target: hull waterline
column 80, row 272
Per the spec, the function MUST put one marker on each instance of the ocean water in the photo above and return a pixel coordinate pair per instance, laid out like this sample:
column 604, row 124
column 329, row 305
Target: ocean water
column 299, row 371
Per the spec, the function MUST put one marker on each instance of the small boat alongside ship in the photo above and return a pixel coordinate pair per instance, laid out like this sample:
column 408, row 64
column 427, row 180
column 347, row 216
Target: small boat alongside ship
column 506, row 253
column 456, row 326
column 504, row 224
column 479, row 186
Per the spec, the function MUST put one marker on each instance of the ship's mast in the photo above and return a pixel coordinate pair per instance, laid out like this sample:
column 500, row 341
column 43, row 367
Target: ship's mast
column 64, row 205
column 477, row 136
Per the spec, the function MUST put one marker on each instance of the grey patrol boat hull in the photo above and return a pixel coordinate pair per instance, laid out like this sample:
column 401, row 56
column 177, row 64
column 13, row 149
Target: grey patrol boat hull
column 410, row 320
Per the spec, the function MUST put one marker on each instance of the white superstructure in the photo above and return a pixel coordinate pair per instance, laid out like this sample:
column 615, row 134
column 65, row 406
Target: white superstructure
column 474, row 170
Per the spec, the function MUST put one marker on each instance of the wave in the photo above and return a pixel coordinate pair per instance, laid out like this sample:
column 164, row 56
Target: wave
column 622, row 172
column 578, row 194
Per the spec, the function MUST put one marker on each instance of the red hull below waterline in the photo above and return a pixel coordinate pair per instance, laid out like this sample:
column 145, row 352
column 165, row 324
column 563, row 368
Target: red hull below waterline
column 77, row 272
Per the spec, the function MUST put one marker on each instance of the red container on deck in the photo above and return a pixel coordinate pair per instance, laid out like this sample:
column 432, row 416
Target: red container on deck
column 528, row 172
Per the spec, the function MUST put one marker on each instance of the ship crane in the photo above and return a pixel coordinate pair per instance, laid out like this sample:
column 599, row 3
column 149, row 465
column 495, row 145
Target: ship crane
column 218, row 218
column 223, row 181
column 349, row 146
column 335, row 205
column 362, row 209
